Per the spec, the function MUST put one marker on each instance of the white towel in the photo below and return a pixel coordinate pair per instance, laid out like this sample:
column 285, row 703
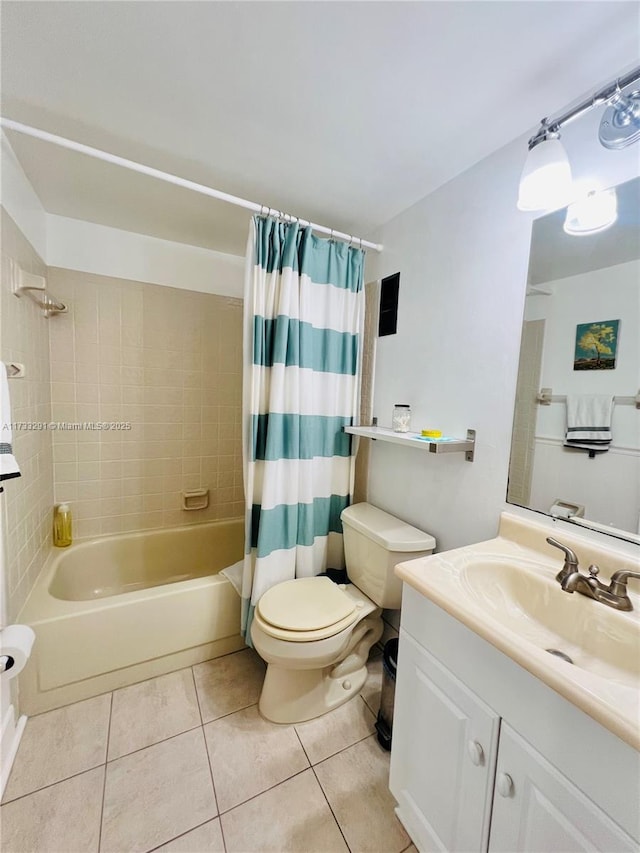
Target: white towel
column 589, row 422
column 8, row 465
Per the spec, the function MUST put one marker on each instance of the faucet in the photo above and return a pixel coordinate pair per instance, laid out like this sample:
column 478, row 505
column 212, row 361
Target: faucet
column 571, row 580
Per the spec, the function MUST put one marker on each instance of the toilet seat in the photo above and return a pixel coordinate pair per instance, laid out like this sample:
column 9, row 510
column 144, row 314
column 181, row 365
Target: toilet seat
column 305, row 609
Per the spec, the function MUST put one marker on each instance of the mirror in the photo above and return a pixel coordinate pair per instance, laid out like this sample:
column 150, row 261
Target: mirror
column 580, row 338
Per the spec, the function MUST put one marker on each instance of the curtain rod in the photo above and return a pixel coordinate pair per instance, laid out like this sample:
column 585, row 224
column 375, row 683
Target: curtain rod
column 96, row 153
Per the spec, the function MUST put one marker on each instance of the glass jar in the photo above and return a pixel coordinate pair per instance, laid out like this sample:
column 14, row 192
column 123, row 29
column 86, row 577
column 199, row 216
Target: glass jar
column 401, row 421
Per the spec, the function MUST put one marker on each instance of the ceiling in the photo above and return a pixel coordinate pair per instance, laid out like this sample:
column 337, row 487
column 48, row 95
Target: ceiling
column 345, row 113
column 556, row 255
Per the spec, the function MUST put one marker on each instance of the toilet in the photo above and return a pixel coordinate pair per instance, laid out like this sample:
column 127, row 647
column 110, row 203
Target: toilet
column 315, row 635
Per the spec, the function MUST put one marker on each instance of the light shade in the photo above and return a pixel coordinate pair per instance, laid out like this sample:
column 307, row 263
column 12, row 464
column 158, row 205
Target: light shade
column 592, row 213
column 545, row 183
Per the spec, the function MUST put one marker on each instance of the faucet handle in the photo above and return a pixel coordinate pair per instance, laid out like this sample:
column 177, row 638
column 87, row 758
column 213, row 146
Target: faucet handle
column 570, row 559
column 569, row 555
column 618, row 585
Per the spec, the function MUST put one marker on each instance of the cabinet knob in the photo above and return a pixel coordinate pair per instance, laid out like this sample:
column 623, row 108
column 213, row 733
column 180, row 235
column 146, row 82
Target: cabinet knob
column 504, row 785
column 476, row 752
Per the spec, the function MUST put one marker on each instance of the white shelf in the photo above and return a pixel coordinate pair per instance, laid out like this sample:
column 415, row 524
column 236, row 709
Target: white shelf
column 413, row 439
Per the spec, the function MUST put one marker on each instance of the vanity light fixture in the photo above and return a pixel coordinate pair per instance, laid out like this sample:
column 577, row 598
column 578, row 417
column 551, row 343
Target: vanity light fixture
column 594, row 212
column 620, row 125
column 546, row 178
column 545, row 183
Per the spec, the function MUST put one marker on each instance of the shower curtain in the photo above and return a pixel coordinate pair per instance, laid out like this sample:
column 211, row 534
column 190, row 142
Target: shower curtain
column 303, row 319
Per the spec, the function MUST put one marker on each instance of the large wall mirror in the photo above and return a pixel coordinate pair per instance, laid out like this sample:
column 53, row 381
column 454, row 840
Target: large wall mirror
column 581, row 338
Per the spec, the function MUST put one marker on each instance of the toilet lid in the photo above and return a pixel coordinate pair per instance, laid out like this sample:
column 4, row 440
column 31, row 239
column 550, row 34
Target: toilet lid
column 305, row 604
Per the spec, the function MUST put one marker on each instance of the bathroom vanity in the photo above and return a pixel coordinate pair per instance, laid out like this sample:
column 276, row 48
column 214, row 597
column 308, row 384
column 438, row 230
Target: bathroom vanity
column 499, row 745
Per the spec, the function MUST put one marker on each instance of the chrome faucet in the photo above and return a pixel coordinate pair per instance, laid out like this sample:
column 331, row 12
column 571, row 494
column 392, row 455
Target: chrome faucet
column 571, row 580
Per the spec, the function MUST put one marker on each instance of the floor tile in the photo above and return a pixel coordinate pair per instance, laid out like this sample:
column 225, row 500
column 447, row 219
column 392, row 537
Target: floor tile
column 229, row 683
column 373, row 685
column 356, row 782
column 60, row 744
column 336, row 730
column 65, row 816
column 156, row 794
column 291, row 818
column 205, row 839
column 249, row 755
column 411, row 849
column 151, row 711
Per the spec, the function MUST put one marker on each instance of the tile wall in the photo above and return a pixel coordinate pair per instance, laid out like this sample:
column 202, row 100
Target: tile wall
column 167, row 361
column 27, row 501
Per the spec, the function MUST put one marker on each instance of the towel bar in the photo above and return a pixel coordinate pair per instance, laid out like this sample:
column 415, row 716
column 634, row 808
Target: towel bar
column 546, row 397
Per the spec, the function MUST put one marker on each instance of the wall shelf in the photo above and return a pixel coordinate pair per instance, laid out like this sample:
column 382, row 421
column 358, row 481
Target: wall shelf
column 413, row 439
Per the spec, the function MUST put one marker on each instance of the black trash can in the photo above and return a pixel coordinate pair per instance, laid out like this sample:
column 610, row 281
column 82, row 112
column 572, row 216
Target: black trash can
column 384, row 723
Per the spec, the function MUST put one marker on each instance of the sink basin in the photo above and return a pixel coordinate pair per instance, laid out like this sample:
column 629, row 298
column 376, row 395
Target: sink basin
column 597, row 638
column 505, row 591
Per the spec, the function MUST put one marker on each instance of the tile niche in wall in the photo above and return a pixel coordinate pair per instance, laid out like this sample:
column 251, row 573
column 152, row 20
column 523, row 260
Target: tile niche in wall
column 167, row 361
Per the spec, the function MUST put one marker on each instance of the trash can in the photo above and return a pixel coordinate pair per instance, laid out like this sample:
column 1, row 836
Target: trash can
column 384, row 723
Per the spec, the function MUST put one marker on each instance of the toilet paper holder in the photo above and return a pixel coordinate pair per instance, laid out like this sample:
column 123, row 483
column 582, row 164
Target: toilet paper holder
column 16, row 643
column 566, row 509
column 6, row 662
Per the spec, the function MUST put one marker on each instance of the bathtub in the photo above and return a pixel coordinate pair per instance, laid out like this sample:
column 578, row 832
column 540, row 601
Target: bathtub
column 121, row 609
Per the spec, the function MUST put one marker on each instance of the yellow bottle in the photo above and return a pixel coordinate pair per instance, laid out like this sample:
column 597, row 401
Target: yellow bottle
column 62, row 526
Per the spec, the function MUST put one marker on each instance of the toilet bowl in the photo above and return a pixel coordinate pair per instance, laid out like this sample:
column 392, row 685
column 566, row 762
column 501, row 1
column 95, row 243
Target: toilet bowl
column 315, row 635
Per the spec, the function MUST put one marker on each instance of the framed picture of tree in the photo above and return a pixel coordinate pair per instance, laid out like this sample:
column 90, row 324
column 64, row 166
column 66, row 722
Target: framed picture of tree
column 596, row 345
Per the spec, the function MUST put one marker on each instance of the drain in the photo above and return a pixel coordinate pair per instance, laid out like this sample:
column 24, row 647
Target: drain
column 559, row 654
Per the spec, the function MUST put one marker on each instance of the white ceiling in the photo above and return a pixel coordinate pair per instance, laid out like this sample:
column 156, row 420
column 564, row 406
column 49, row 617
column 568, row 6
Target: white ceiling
column 343, row 113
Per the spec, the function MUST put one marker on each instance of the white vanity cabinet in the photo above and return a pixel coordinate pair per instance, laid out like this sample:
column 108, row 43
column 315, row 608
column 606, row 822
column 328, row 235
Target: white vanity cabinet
column 487, row 757
column 445, row 742
column 536, row 808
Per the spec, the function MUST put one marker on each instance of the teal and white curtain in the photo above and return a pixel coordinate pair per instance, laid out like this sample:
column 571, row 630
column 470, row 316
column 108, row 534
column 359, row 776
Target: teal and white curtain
column 303, row 316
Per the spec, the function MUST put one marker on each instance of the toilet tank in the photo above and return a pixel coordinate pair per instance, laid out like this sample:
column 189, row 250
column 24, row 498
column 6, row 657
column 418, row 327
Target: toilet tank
column 374, row 542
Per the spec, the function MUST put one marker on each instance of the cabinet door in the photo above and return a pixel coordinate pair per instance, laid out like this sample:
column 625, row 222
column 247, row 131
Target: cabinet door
column 536, row 808
column 443, row 755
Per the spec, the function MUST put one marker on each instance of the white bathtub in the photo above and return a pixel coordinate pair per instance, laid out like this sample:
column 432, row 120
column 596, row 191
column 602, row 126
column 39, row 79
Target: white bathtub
column 121, row 609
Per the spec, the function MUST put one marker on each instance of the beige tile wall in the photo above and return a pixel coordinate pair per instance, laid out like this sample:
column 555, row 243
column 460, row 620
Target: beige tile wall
column 27, row 500
column 169, row 362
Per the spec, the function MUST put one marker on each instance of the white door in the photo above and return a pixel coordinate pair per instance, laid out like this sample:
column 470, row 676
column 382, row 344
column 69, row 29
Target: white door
column 443, row 755
column 536, row 808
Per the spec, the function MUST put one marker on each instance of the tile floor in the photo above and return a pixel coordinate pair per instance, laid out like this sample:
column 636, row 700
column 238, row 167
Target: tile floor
column 184, row 763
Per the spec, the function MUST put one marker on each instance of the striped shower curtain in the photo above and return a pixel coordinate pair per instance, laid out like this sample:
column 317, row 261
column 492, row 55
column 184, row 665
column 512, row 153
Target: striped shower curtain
column 303, row 318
